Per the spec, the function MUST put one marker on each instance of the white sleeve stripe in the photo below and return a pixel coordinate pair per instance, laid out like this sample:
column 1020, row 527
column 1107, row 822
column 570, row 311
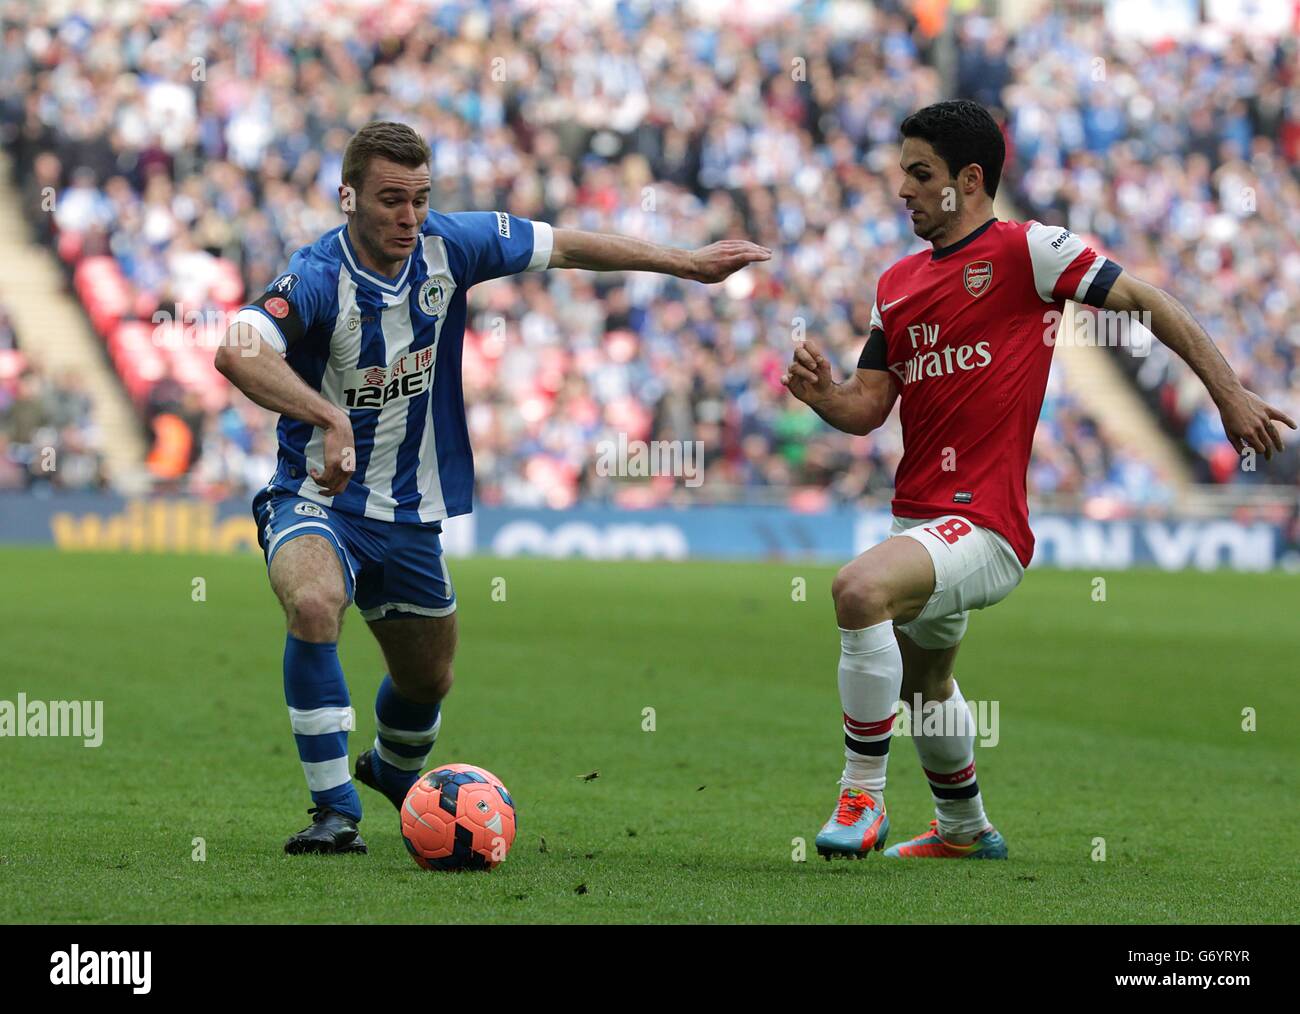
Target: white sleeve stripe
column 265, row 327
column 1088, row 276
column 318, row 721
column 876, row 320
column 543, row 243
column 1049, row 264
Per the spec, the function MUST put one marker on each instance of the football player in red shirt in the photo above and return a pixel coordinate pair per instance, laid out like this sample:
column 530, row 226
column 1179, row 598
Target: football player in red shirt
column 964, row 334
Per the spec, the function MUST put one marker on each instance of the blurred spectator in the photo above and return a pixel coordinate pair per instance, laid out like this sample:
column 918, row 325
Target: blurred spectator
column 8, row 337
column 48, row 436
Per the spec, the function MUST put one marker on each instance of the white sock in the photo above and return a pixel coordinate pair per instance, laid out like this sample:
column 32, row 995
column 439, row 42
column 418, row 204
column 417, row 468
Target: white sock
column 871, row 675
column 948, row 759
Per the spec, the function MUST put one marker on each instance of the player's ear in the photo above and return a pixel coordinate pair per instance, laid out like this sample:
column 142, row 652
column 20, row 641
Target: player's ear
column 972, row 179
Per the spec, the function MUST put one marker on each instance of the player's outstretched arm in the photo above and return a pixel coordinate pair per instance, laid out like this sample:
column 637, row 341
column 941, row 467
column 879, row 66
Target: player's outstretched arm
column 857, row 406
column 270, row 381
column 1247, row 418
column 598, row 251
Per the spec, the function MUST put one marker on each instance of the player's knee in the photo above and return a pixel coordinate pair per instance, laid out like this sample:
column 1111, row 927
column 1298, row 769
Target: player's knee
column 860, row 599
column 313, row 612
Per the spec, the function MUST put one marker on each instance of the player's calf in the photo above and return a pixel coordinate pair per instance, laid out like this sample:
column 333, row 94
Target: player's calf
column 408, row 706
column 405, row 734
column 308, row 579
column 944, row 735
column 886, row 581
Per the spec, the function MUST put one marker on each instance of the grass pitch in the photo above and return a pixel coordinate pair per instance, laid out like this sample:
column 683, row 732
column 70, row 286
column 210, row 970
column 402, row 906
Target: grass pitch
column 1120, row 720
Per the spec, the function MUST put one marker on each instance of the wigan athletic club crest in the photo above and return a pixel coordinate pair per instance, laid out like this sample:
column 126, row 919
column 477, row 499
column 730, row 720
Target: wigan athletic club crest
column 978, row 276
column 433, row 296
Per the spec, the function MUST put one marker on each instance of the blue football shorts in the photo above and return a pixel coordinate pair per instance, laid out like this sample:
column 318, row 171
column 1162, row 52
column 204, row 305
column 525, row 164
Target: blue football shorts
column 390, row 570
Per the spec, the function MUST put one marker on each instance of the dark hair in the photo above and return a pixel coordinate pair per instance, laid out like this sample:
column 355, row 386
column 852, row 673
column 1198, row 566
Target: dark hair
column 384, row 139
column 962, row 133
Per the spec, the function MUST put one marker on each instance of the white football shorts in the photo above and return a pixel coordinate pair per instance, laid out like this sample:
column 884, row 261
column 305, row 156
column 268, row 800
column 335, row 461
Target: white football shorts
column 974, row 568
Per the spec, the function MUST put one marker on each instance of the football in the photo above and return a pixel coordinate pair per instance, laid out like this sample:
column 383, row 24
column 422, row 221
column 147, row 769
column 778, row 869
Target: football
column 458, row 817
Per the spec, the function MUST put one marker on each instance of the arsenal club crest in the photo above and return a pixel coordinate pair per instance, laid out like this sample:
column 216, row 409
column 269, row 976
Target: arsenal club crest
column 978, row 276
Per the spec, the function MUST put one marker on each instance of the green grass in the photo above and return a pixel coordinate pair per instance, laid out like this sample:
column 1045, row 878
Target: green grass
column 1119, row 720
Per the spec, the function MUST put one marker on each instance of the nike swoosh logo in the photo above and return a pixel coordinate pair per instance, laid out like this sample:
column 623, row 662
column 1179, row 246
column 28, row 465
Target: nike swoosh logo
column 886, row 306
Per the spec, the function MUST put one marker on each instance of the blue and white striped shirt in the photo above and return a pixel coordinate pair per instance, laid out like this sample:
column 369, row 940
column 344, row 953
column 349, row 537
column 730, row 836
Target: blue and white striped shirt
column 388, row 351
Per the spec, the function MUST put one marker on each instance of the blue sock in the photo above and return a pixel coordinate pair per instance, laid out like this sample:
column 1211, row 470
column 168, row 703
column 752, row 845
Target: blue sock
column 406, row 734
column 320, row 713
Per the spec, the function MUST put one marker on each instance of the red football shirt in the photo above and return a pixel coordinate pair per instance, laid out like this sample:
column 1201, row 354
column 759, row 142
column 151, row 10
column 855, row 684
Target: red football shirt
column 965, row 330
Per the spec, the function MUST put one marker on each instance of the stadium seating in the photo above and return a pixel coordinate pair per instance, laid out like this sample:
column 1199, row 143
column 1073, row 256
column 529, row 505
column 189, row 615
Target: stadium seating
column 208, row 185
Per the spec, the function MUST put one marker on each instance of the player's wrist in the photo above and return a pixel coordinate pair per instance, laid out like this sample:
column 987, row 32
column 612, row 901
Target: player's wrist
column 686, row 265
column 822, row 398
column 335, row 419
column 1225, row 391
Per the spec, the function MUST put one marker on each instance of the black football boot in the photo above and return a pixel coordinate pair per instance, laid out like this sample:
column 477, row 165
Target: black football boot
column 330, row 832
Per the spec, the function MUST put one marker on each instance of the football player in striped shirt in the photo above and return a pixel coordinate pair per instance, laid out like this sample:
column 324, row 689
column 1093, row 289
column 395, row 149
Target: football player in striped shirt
column 963, row 335
column 358, row 346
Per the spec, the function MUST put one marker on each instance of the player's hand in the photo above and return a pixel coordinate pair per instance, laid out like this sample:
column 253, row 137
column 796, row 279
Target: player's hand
column 1249, row 421
column 809, row 375
column 716, row 261
column 340, row 457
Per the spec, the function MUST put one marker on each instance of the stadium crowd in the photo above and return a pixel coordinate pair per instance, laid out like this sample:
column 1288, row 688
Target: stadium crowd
column 1183, row 163
column 48, row 436
column 192, row 136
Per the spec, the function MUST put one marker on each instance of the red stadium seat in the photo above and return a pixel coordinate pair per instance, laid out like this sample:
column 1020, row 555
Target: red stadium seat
column 69, row 246
column 104, row 291
column 137, row 359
